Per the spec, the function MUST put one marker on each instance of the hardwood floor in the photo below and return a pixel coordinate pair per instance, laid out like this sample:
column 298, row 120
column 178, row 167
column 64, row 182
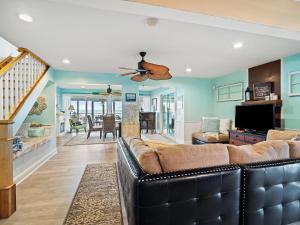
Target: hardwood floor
column 44, row 197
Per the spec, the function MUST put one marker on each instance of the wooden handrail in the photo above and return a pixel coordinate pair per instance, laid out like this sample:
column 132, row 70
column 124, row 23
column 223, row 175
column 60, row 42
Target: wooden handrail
column 24, row 52
column 34, row 55
column 11, row 63
column 5, row 61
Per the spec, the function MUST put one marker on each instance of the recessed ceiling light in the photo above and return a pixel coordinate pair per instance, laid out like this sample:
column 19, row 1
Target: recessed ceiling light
column 188, row 70
column 25, row 17
column 238, row 45
column 66, row 61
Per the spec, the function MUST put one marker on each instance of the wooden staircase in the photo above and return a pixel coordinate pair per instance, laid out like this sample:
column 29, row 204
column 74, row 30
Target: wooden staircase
column 18, row 78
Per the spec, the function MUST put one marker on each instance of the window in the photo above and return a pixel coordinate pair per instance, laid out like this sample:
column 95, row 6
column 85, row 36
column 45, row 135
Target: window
column 74, row 103
column 95, row 108
column 89, row 107
column 294, row 83
column 231, row 92
column 81, row 107
column 118, row 108
column 98, row 108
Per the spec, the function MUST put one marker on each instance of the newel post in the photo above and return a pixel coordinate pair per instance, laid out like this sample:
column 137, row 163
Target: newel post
column 7, row 185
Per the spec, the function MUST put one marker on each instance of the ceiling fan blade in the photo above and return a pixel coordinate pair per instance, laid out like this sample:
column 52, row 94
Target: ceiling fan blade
column 117, row 94
column 165, row 76
column 125, row 68
column 139, row 78
column 127, row 74
column 154, row 68
column 104, row 94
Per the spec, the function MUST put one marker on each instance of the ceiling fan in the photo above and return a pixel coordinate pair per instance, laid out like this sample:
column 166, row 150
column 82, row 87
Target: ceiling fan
column 109, row 92
column 147, row 70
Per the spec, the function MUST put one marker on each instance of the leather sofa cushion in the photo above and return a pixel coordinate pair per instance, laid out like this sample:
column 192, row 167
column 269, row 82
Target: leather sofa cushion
column 146, row 156
column 294, row 149
column 262, row 151
column 281, row 134
column 183, row 157
column 211, row 137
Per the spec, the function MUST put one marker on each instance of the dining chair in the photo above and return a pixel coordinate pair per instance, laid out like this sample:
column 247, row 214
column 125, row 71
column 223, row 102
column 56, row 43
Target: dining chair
column 92, row 128
column 109, row 125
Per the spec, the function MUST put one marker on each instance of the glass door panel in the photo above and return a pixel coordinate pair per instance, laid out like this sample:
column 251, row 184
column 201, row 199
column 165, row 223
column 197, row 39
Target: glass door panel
column 168, row 114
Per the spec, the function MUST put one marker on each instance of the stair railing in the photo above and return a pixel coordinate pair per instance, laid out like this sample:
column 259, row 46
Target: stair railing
column 18, row 77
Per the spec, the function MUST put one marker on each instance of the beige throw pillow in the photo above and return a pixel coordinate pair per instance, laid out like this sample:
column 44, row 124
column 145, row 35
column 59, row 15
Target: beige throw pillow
column 262, row 151
column 156, row 144
column 281, row 134
column 225, row 125
column 183, row 157
column 294, row 149
column 146, row 156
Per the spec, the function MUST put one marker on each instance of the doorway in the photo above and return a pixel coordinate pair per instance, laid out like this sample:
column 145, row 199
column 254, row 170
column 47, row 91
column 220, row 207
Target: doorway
column 168, row 114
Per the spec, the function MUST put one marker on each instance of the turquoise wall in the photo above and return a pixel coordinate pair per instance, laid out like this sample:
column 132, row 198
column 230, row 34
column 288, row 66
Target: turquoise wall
column 48, row 115
column 291, row 105
column 198, row 93
column 227, row 109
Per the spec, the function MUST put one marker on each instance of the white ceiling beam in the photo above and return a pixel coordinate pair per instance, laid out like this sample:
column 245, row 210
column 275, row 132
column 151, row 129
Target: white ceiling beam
column 123, row 6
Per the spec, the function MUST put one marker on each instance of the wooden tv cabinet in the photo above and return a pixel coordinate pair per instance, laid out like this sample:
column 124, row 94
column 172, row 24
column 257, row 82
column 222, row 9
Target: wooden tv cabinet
column 245, row 138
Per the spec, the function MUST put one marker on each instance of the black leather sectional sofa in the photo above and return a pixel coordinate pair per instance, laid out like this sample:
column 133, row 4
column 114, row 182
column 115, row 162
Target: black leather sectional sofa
column 255, row 194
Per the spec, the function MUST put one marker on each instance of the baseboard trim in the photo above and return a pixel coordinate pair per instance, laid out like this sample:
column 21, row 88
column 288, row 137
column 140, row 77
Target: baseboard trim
column 30, row 170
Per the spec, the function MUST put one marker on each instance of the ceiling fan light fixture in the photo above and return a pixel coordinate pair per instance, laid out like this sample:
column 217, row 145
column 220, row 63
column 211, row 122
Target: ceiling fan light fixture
column 109, row 90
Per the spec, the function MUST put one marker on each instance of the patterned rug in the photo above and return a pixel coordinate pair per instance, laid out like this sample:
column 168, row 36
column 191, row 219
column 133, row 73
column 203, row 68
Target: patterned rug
column 94, row 139
column 97, row 198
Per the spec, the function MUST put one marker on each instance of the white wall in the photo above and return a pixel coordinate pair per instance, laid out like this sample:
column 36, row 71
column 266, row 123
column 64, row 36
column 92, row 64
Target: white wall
column 145, row 103
column 7, row 49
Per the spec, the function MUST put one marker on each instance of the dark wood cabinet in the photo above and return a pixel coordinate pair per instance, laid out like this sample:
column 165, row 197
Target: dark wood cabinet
column 148, row 121
column 245, row 138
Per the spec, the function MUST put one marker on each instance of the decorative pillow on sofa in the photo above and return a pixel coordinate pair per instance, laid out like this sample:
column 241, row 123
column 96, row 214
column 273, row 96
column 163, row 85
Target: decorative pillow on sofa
column 36, row 132
column 282, row 134
column 294, row 149
column 210, row 124
column 262, row 151
column 156, row 144
column 225, row 125
column 145, row 155
column 183, row 157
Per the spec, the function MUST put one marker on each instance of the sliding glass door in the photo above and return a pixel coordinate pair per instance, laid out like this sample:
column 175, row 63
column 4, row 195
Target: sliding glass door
column 168, row 114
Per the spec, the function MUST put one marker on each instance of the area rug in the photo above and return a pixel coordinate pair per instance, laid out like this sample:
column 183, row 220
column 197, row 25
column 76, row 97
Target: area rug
column 97, row 198
column 80, row 139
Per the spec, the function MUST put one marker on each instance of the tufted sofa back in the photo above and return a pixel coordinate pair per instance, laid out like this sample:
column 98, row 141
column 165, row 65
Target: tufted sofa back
column 271, row 193
column 207, row 196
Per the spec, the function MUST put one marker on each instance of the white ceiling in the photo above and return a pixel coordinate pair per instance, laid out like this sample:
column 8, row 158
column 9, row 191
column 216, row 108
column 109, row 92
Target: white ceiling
column 148, row 88
column 101, row 40
column 88, row 86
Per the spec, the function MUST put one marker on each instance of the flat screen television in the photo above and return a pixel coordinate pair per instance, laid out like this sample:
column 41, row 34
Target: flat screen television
column 258, row 118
